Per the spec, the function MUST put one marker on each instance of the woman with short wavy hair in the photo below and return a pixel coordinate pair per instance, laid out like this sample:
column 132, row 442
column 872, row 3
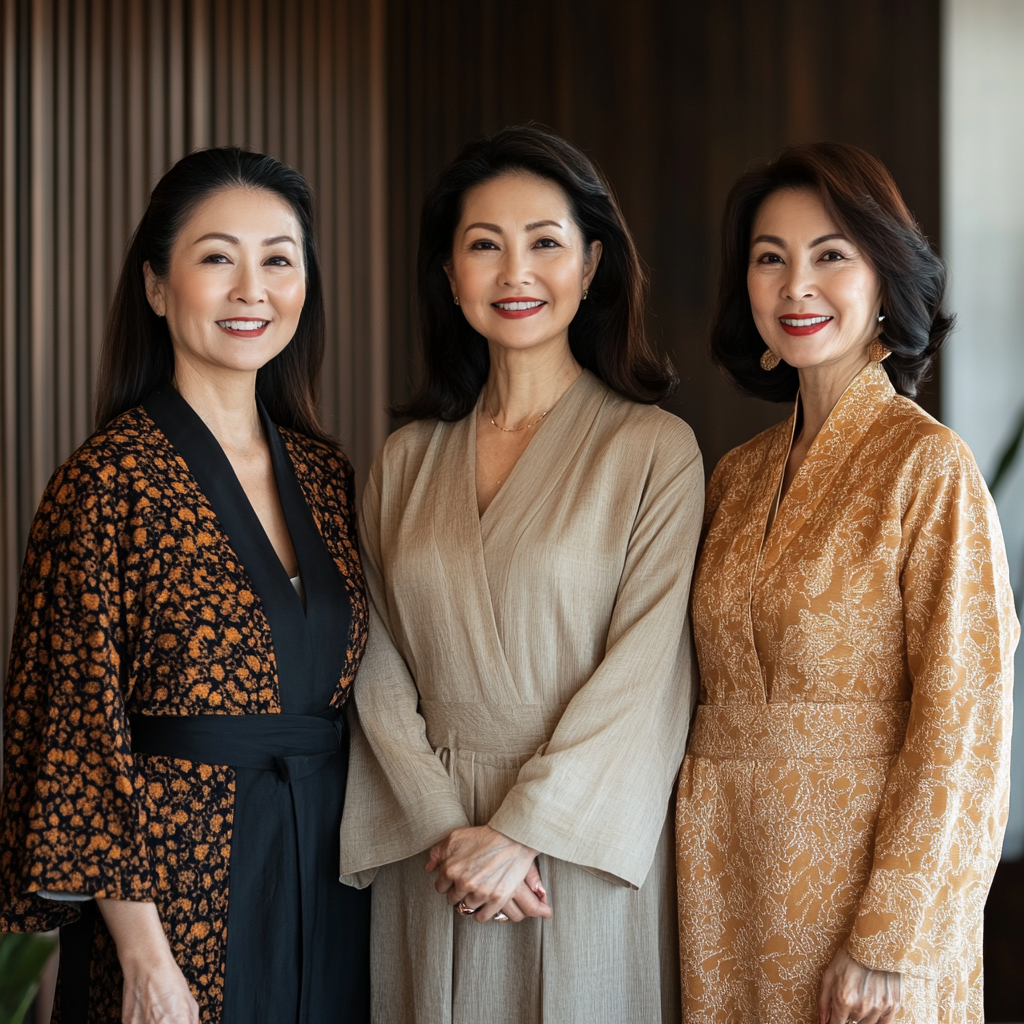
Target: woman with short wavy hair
column 844, row 794
column 528, row 541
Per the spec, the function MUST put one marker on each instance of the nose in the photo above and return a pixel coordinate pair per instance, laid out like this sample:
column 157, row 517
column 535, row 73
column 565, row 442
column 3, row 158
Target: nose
column 247, row 287
column 797, row 284
column 515, row 267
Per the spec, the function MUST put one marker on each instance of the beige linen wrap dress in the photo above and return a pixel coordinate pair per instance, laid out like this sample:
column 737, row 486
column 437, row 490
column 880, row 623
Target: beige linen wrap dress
column 532, row 669
column 847, row 773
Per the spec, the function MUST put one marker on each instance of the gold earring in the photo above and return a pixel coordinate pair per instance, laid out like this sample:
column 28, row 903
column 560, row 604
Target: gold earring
column 878, row 352
column 586, row 292
column 769, row 360
column 456, row 300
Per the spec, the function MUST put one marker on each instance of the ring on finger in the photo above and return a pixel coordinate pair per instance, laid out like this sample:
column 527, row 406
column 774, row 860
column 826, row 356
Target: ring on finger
column 464, row 910
column 499, row 916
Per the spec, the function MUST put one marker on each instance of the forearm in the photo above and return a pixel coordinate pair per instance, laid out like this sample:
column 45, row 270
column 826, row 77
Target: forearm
column 136, row 930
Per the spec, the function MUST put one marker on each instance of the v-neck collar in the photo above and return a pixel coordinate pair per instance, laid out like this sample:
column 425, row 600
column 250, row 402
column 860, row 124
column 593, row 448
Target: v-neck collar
column 553, row 446
column 858, row 407
column 304, row 668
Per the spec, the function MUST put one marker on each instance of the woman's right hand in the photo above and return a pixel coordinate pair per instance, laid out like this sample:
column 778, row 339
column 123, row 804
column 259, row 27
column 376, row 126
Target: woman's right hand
column 529, row 899
column 155, row 990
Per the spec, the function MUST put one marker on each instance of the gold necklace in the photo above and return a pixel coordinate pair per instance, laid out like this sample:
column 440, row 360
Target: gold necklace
column 525, row 426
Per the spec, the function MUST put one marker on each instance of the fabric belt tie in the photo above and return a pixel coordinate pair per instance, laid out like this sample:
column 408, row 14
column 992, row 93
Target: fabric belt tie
column 294, row 746
column 799, row 729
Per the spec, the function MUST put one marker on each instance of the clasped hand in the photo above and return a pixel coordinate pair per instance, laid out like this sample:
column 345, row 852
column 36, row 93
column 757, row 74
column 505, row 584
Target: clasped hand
column 852, row 992
column 490, row 873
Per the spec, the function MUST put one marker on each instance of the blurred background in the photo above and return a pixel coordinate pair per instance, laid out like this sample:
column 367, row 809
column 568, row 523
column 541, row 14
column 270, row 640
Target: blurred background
column 370, row 98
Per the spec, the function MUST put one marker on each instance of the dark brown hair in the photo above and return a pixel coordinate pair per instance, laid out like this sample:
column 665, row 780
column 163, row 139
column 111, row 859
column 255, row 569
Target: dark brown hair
column 137, row 355
column 860, row 195
column 607, row 334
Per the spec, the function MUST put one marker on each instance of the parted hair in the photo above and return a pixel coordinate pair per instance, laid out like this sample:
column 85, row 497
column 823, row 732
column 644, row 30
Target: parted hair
column 859, row 194
column 137, row 356
column 606, row 335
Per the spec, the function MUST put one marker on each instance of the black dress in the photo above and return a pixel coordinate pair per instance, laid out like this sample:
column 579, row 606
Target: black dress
column 295, row 944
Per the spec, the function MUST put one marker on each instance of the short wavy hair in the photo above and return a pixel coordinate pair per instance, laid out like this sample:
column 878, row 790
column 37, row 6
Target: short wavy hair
column 607, row 334
column 860, row 195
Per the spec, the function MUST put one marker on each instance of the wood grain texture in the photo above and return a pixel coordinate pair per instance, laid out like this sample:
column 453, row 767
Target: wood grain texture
column 673, row 99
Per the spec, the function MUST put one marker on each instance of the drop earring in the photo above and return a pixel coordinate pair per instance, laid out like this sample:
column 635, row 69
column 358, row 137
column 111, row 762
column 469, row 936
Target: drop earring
column 586, row 292
column 456, row 299
column 769, row 360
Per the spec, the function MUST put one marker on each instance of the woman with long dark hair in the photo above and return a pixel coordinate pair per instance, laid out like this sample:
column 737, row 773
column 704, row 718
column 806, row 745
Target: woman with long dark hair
column 843, row 798
column 191, row 617
column 528, row 540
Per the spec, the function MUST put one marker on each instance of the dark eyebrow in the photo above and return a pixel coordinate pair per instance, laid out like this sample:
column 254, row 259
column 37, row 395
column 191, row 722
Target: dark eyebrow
column 775, row 240
column 543, row 224
column 486, row 227
column 220, row 236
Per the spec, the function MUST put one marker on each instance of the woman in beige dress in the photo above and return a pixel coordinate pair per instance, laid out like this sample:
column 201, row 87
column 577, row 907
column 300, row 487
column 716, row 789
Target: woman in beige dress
column 527, row 687
column 843, row 799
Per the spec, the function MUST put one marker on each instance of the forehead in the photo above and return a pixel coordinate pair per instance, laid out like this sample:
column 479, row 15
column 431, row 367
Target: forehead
column 242, row 212
column 793, row 212
column 515, row 196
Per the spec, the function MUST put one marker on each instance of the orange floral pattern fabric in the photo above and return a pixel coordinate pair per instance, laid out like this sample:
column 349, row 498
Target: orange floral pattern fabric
column 133, row 601
column 847, row 775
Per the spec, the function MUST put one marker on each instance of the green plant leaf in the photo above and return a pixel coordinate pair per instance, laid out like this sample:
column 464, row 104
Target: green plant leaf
column 22, row 959
column 1009, row 456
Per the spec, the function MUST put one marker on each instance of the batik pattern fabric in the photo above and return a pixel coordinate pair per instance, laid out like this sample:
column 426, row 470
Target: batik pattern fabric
column 133, row 601
column 846, row 778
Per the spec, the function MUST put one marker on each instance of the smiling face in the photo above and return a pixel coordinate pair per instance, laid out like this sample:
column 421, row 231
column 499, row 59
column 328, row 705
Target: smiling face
column 814, row 295
column 519, row 263
column 235, row 284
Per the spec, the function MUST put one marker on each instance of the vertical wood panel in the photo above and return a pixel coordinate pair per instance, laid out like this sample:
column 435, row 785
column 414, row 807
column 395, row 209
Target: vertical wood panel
column 673, row 99
column 98, row 98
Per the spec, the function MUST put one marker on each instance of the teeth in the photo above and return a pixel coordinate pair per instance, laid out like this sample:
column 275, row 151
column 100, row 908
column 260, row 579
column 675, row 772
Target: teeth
column 804, row 321
column 243, row 325
column 519, row 305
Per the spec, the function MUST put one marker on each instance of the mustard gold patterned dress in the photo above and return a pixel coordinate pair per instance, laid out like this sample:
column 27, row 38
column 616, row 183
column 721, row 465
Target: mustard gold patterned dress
column 847, row 774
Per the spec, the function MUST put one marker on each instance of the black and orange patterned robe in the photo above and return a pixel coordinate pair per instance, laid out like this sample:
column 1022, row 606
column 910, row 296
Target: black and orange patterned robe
column 151, row 595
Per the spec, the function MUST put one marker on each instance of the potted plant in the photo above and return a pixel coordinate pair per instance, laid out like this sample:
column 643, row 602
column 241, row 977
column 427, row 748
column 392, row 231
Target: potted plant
column 22, row 959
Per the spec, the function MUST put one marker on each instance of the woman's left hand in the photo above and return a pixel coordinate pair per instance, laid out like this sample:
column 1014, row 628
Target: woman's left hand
column 481, row 867
column 851, row 992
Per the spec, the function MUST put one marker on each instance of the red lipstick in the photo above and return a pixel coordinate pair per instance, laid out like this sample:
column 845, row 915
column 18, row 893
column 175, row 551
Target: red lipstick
column 518, row 314
column 800, row 330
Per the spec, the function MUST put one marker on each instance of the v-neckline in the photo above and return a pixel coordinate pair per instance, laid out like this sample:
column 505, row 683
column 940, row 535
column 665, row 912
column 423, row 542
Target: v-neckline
column 514, row 473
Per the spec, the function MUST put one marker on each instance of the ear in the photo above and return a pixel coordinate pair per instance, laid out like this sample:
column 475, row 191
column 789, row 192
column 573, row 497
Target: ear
column 590, row 267
column 154, row 290
column 451, row 279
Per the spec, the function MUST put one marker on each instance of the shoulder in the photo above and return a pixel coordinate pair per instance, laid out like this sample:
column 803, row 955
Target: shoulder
column 405, row 449
column 121, row 449
column 634, row 427
column 922, row 451
column 312, row 454
column 735, row 463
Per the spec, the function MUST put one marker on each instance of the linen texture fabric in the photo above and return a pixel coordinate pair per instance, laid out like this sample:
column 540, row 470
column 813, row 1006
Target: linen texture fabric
column 847, row 776
column 530, row 669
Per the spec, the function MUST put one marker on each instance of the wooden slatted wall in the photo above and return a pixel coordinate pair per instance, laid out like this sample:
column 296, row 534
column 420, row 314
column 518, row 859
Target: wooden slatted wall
column 97, row 99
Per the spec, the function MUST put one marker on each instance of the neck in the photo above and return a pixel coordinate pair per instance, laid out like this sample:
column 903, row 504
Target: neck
column 821, row 387
column 225, row 402
column 525, row 384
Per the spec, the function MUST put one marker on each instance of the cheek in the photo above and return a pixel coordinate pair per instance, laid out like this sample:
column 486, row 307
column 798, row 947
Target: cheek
column 762, row 299
column 290, row 298
column 192, row 297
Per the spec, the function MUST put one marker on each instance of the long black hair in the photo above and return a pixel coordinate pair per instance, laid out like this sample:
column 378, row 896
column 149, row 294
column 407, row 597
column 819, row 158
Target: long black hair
column 137, row 355
column 860, row 195
column 607, row 334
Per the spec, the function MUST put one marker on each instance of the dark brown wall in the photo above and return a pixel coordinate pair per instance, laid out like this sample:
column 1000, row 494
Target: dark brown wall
column 673, row 99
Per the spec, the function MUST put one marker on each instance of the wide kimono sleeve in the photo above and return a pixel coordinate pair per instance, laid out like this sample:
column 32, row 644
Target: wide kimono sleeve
column 400, row 799
column 944, row 810
column 597, row 794
column 73, row 816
